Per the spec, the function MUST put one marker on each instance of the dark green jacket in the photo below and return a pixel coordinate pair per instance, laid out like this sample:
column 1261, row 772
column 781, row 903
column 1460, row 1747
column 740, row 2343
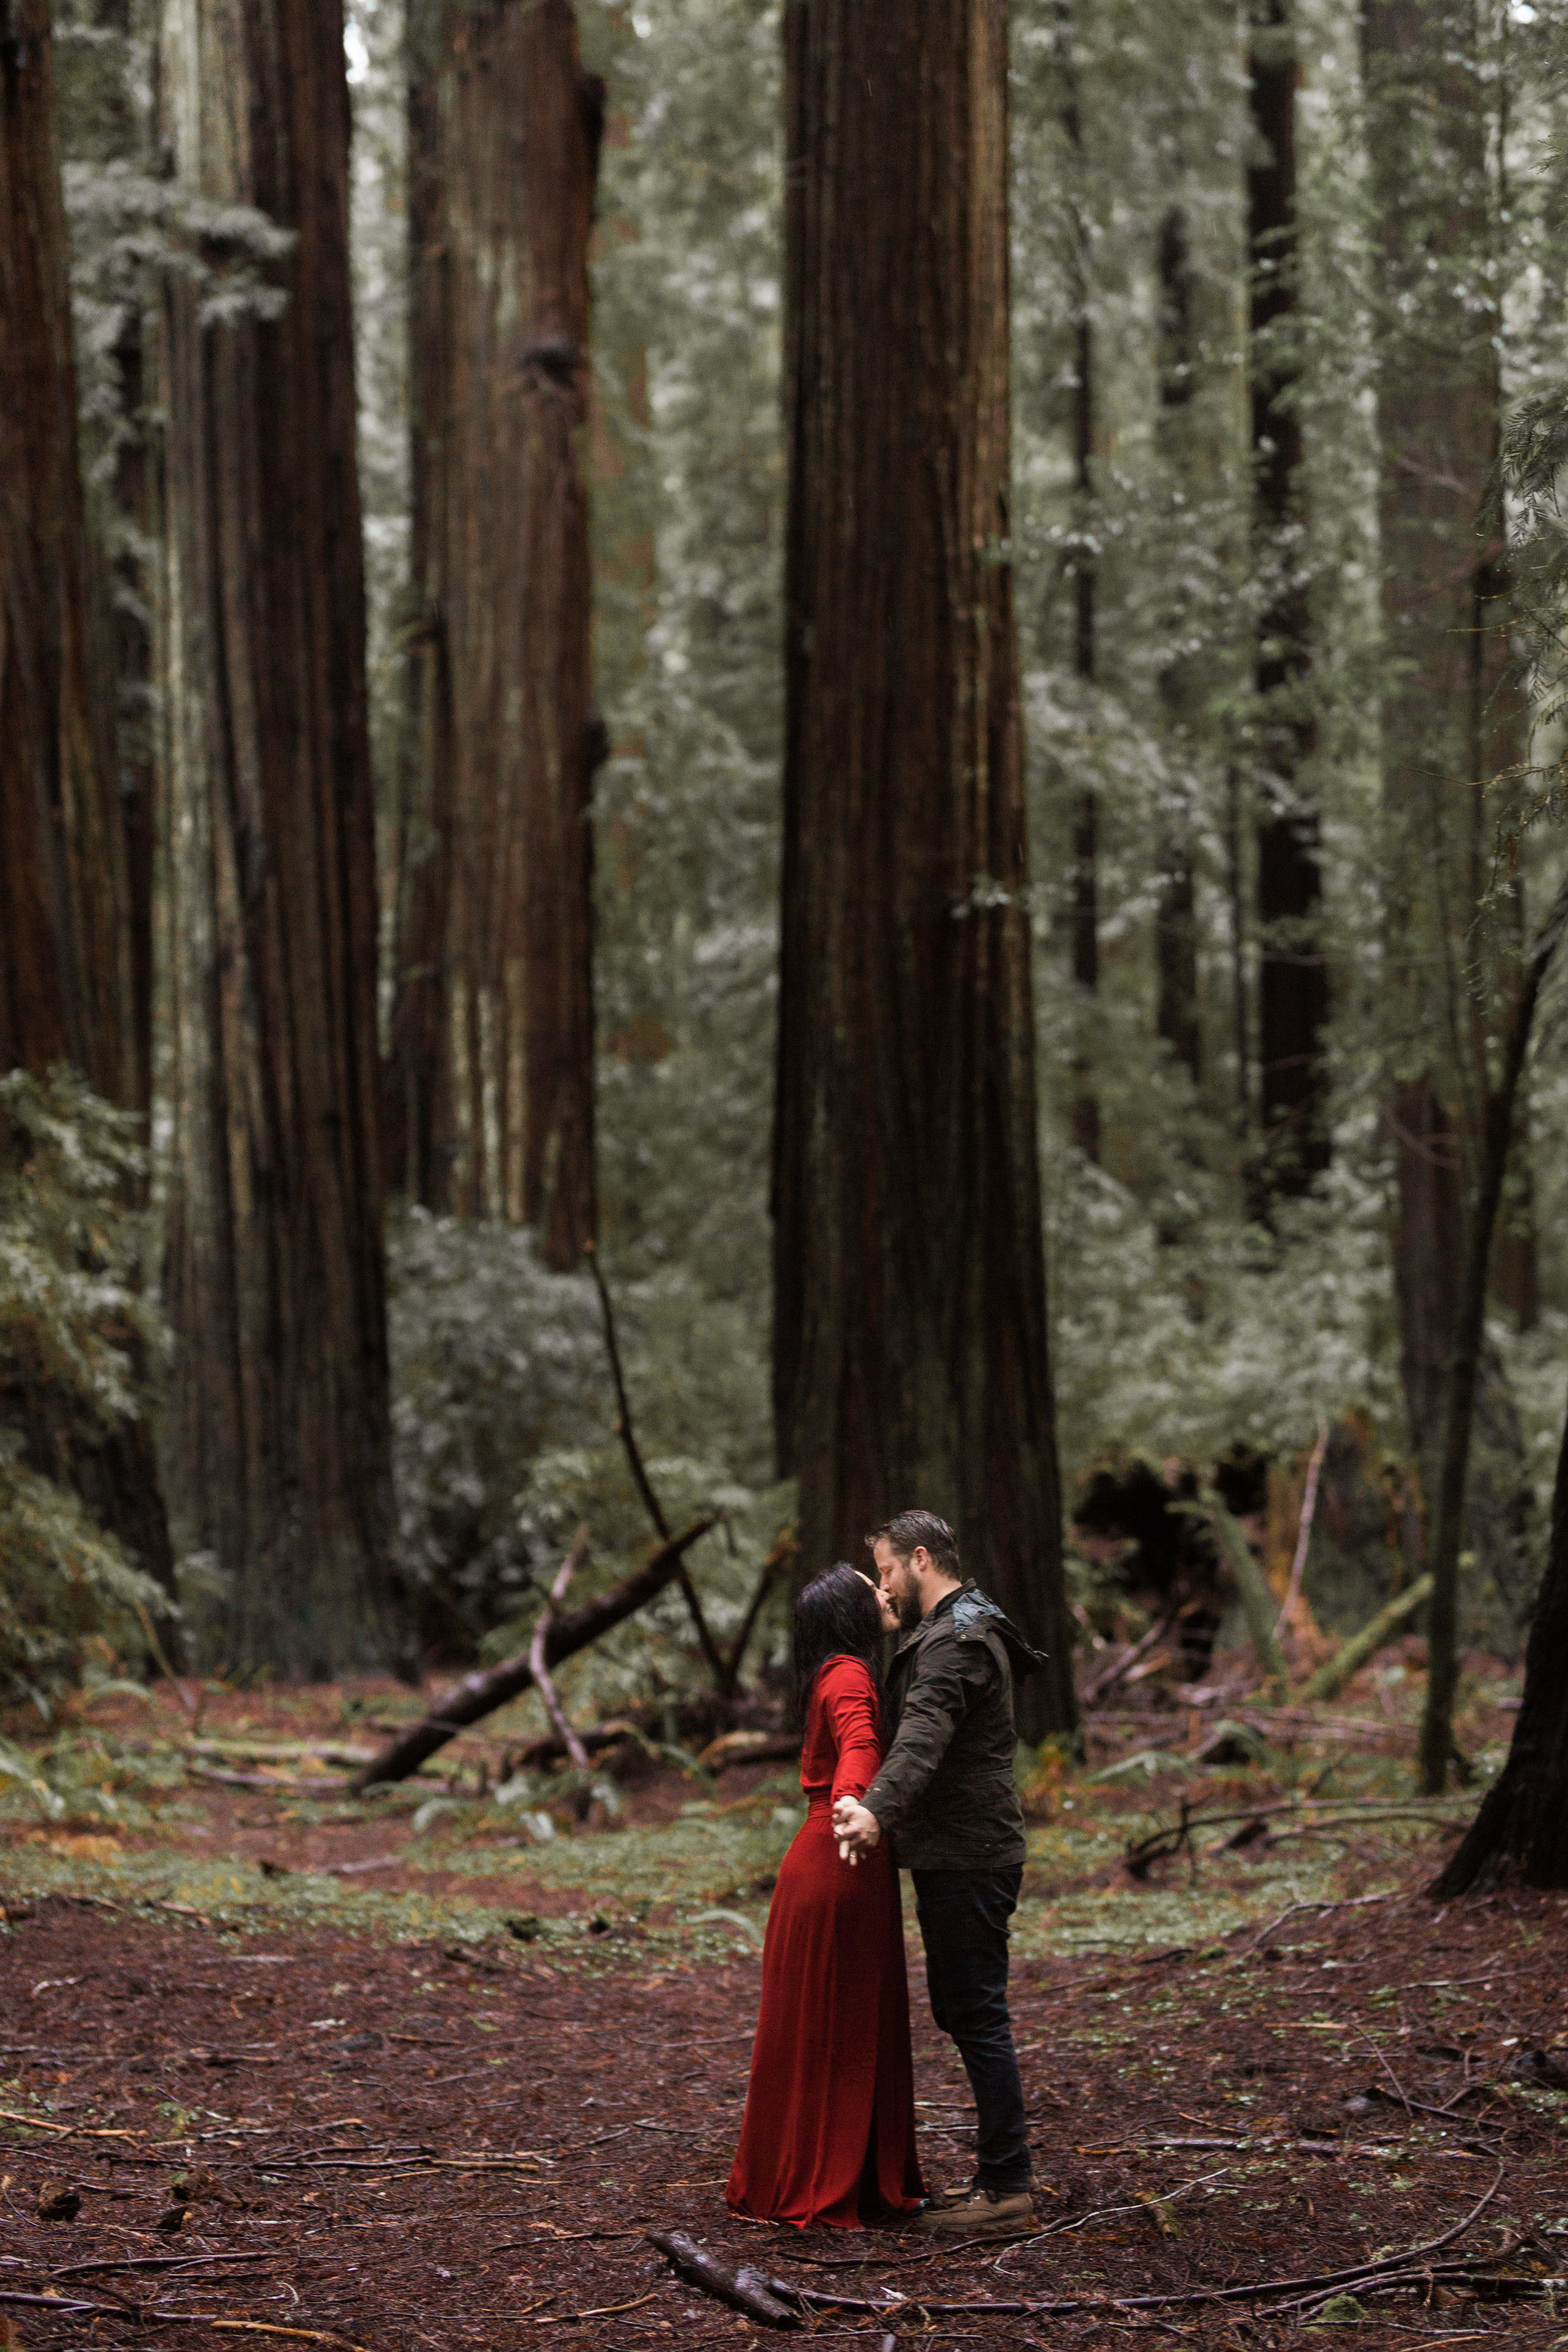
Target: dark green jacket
column 946, row 1793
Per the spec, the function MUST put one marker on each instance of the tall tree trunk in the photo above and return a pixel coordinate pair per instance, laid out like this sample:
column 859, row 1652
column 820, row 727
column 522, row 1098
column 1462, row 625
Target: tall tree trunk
column 910, row 1359
column 64, row 966
column 494, row 1034
column 1446, row 728
column 276, row 1287
column 69, row 910
column 1176, row 934
column 1523, row 1825
column 1084, row 915
column 1293, row 982
column 1465, row 1358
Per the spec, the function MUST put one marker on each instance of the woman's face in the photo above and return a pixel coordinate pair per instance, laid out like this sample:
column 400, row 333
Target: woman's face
column 885, row 1607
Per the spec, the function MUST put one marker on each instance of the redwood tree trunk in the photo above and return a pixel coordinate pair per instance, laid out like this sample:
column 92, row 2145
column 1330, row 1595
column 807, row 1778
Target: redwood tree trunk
column 911, row 1359
column 275, row 1276
column 1523, row 1825
column 494, row 1028
column 69, row 910
column 1445, row 725
column 65, row 960
column 1293, row 983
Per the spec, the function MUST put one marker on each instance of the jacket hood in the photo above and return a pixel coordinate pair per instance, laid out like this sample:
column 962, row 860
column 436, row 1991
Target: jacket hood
column 974, row 1614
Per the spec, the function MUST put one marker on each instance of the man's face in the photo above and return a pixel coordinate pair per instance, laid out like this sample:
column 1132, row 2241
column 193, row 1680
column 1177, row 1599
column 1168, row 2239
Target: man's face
column 896, row 1585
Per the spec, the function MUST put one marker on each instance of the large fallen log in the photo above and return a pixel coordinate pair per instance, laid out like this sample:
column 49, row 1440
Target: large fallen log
column 481, row 1692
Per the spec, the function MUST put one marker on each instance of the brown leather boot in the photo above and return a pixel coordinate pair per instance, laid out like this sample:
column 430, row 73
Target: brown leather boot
column 980, row 2213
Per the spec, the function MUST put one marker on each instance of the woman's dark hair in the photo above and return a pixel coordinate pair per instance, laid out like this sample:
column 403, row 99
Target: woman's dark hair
column 837, row 1615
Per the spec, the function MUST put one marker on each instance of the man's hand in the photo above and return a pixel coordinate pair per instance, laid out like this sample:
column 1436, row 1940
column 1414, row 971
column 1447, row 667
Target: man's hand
column 857, row 1829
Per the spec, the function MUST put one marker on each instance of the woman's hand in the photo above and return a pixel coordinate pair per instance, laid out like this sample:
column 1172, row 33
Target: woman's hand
column 857, row 1829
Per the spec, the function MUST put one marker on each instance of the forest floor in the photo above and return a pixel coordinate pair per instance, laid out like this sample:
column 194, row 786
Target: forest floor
column 389, row 2073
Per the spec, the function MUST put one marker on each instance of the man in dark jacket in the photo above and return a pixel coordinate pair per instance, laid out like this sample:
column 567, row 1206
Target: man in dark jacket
column 947, row 1797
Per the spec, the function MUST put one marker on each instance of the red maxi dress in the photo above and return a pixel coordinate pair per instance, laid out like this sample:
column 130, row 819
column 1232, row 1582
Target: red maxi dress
column 829, row 2129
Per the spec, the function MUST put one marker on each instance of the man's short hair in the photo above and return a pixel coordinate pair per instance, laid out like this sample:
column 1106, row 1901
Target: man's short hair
column 912, row 1531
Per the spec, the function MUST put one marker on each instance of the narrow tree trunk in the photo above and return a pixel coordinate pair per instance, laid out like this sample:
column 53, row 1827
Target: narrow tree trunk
column 1176, row 934
column 280, row 1418
column 1293, row 983
column 1446, row 728
column 494, row 1037
column 909, row 1327
column 1084, row 916
column 1522, row 1825
column 1464, row 1361
column 65, row 967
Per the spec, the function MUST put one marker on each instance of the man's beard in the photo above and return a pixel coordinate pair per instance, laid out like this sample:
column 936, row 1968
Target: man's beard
column 907, row 1604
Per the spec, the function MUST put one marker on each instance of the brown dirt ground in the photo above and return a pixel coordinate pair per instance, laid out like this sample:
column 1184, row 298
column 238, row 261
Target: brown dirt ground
column 412, row 2146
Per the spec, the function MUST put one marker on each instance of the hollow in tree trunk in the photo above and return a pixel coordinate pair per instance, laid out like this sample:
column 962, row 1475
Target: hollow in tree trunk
column 493, row 1053
column 911, row 1360
column 279, row 1423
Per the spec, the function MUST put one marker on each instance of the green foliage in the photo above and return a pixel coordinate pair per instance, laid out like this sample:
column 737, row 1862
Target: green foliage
column 76, row 1334
column 504, row 1421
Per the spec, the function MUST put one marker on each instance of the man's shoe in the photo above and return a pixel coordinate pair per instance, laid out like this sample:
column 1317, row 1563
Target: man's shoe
column 980, row 2213
column 941, row 2198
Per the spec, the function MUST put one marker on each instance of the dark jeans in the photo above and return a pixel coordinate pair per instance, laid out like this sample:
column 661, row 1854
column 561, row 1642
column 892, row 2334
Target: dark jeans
column 963, row 1916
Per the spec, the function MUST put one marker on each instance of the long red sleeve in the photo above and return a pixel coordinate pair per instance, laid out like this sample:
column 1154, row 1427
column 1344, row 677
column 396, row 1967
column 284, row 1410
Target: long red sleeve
column 849, row 1702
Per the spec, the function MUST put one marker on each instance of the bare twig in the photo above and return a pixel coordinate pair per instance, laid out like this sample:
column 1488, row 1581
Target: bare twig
column 783, row 1552
column 1107, row 1679
column 536, row 1665
column 638, row 1469
column 1304, row 1530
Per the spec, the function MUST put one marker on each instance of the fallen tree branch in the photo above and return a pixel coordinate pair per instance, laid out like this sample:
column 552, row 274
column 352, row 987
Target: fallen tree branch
column 743, row 2290
column 481, row 1692
column 702, row 2269
column 1332, row 1678
column 1107, row 1679
column 641, row 1478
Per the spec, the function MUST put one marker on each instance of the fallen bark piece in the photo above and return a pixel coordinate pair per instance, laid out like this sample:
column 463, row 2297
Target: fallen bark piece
column 1332, row 1678
column 749, row 1748
column 479, row 1694
column 742, row 2291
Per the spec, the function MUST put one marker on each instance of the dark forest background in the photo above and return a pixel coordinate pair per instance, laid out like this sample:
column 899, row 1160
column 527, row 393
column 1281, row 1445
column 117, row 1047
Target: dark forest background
column 903, row 671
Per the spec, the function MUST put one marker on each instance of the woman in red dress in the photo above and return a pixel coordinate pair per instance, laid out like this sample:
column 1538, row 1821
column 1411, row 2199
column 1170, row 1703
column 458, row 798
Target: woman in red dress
column 829, row 2129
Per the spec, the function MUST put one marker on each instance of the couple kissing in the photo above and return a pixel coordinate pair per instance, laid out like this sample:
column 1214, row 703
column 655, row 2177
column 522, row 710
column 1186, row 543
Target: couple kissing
column 916, row 1772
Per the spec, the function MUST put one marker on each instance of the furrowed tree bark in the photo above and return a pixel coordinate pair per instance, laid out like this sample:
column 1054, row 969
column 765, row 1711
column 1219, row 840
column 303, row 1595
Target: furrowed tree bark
column 1450, row 724
column 479, row 1694
column 280, row 1422
column 910, row 1361
column 1465, row 1363
column 1293, row 979
column 69, row 912
column 494, row 1052
column 1523, row 1825
column 64, row 966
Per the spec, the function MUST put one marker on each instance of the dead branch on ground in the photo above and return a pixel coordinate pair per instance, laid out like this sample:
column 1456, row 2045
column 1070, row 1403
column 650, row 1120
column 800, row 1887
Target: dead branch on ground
column 481, row 1692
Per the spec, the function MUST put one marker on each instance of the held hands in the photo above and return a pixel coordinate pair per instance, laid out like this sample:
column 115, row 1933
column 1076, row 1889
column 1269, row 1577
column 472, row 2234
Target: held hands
column 857, row 1829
